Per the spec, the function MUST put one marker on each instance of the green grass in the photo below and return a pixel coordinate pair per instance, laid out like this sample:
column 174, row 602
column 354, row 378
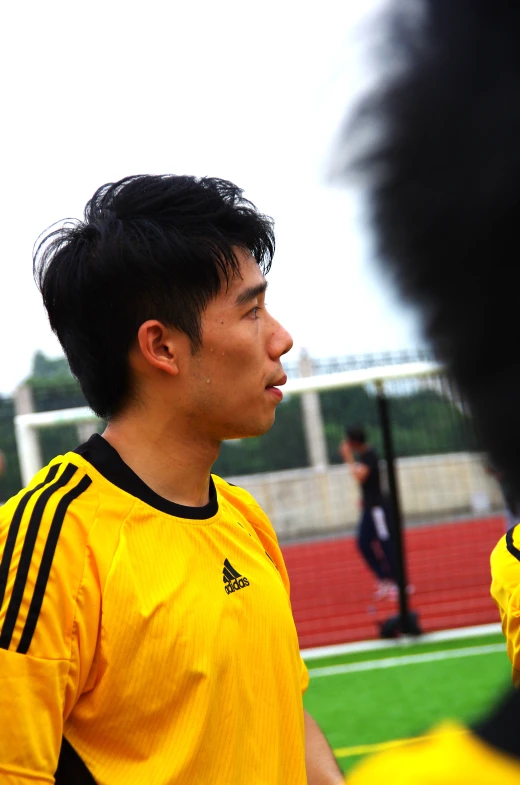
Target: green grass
column 374, row 706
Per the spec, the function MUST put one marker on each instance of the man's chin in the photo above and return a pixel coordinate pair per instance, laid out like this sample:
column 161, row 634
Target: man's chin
column 250, row 430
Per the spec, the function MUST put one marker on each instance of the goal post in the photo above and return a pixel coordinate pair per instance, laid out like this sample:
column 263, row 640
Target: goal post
column 360, row 376
column 27, row 426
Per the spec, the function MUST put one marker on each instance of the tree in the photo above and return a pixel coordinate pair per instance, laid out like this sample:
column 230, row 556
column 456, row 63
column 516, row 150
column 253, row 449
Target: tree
column 54, row 387
column 10, row 478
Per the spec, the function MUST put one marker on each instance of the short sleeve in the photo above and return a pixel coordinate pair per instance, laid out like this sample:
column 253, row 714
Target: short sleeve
column 47, row 642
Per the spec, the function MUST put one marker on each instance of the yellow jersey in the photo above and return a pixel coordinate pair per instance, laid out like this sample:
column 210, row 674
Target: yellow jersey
column 451, row 755
column 152, row 643
column 505, row 590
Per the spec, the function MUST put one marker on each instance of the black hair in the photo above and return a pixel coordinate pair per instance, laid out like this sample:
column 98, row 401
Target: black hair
column 149, row 247
column 440, row 158
column 356, row 434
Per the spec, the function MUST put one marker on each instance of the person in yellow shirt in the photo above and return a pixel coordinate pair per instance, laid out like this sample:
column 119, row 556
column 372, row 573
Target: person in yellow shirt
column 453, row 754
column 436, row 145
column 505, row 590
column 146, row 632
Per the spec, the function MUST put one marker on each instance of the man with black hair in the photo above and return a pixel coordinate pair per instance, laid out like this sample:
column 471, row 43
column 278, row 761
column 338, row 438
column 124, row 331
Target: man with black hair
column 441, row 162
column 373, row 535
column 146, row 633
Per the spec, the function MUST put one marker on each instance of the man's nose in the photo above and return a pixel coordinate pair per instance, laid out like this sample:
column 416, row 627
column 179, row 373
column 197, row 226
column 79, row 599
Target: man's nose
column 281, row 341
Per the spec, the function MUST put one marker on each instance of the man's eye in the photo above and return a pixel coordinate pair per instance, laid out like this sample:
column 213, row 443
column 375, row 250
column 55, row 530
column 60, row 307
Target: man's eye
column 254, row 312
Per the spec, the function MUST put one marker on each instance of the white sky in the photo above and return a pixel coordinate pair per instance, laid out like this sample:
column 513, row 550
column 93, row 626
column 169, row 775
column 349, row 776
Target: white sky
column 251, row 92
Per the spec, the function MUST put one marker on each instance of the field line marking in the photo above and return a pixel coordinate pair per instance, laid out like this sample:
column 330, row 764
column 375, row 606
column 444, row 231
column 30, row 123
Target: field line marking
column 404, row 641
column 365, row 749
column 410, row 659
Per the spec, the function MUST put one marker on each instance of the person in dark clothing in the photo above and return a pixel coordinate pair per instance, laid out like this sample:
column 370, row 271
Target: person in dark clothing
column 373, row 536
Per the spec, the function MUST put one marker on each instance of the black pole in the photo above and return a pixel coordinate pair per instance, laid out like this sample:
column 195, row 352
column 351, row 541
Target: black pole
column 405, row 622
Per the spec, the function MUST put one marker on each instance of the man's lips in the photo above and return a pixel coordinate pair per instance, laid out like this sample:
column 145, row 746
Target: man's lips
column 278, row 382
column 273, row 388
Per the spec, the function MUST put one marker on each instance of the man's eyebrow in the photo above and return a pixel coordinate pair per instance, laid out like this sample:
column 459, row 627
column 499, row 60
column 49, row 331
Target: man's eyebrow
column 251, row 292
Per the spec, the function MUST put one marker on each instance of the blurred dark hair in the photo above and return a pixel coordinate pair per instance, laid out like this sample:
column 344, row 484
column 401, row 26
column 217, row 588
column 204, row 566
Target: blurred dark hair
column 356, row 434
column 149, row 247
column 440, row 157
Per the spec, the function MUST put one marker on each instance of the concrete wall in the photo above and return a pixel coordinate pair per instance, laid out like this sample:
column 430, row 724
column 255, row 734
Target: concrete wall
column 304, row 501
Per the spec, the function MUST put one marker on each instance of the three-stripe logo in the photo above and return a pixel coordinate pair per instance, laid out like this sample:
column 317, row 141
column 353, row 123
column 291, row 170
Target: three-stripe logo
column 232, row 579
column 43, row 492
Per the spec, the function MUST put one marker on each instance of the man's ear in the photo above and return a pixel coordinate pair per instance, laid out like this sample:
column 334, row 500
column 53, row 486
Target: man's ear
column 158, row 346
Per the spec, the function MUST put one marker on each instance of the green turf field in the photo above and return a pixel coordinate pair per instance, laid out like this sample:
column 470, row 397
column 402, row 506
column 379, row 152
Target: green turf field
column 400, row 692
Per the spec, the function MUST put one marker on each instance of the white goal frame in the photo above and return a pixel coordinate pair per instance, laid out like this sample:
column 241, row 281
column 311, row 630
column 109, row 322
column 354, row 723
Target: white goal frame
column 27, row 426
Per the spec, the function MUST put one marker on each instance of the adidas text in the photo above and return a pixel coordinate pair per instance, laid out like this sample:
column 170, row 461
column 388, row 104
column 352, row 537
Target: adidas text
column 238, row 583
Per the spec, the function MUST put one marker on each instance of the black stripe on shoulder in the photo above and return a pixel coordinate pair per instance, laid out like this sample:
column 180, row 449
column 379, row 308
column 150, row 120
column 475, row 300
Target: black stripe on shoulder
column 27, row 552
column 509, row 542
column 15, row 527
column 244, row 528
column 46, row 563
column 72, row 769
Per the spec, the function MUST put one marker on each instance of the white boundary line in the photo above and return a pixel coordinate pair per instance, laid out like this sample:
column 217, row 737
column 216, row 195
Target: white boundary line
column 411, row 659
column 402, row 642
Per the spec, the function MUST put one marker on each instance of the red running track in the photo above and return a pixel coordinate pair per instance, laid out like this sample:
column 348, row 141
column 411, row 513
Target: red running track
column 448, row 563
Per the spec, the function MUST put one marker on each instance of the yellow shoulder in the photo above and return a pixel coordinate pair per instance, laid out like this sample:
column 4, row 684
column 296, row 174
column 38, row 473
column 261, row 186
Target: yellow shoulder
column 228, row 490
column 246, row 502
column 56, row 507
column 505, row 566
column 451, row 755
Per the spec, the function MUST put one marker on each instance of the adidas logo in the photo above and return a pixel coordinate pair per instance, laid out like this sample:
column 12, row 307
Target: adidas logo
column 232, row 579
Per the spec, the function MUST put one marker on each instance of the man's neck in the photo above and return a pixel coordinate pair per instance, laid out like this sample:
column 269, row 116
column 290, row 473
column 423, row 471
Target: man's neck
column 174, row 465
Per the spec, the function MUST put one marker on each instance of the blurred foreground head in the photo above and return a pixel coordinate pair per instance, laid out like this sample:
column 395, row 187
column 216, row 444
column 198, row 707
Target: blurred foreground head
column 438, row 148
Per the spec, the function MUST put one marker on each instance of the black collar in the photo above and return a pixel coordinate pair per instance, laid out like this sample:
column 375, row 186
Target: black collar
column 98, row 452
